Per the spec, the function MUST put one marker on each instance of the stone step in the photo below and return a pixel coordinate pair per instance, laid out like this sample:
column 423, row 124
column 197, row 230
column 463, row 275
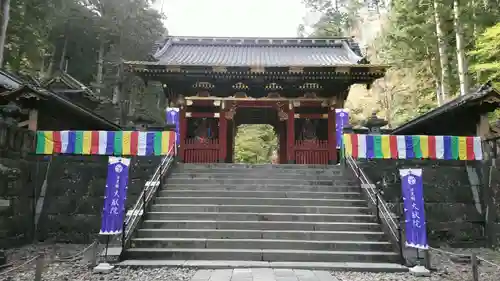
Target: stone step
column 224, row 201
column 257, row 176
column 261, row 225
column 263, row 180
column 261, row 255
column 262, row 187
column 236, row 166
column 258, row 193
column 249, row 171
column 262, row 234
column 233, row 264
column 259, row 209
column 261, row 244
column 260, row 216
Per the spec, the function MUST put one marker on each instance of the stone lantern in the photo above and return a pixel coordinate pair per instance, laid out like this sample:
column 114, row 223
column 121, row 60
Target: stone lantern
column 374, row 123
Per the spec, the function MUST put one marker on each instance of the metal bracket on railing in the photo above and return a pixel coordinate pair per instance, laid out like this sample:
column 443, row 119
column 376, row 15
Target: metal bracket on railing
column 378, row 206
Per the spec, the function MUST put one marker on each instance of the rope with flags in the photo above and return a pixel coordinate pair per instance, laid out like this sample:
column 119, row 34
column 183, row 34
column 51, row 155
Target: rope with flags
column 117, row 143
column 412, row 147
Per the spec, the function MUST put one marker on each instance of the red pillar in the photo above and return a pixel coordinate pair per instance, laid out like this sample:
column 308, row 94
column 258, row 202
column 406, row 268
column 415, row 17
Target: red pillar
column 222, row 135
column 182, row 132
column 283, row 144
column 332, row 137
column 291, row 134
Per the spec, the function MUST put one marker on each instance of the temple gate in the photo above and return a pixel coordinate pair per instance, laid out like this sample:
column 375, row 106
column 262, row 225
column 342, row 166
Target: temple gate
column 292, row 84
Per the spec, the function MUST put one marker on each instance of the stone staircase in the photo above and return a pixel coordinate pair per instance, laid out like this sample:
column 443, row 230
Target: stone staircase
column 236, row 215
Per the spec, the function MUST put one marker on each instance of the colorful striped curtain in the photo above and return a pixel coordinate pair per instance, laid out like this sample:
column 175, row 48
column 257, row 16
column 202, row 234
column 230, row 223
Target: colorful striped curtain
column 119, row 143
column 413, row 147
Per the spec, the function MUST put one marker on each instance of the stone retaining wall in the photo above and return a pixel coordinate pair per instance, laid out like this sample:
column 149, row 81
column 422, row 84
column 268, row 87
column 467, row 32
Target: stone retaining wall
column 74, row 197
column 450, row 210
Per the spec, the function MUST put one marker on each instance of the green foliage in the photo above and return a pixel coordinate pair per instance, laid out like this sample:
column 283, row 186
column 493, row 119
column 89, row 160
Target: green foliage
column 487, row 55
column 48, row 35
column 255, row 144
column 408, row 42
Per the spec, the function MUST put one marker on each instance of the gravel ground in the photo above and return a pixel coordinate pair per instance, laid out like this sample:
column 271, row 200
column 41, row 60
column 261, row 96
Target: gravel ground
column 78, row 269
column 446, row 269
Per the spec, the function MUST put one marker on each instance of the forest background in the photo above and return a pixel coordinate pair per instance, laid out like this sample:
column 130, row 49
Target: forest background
column 437, row 49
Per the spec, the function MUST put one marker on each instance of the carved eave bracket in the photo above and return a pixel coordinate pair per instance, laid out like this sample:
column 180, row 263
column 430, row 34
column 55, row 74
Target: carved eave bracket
column 310, row 89
column 203, row 89
column 240, row 86
column 282, row 115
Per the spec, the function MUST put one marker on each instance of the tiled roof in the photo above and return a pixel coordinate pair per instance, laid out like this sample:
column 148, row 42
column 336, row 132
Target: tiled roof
column 12, row 84
column 459, row 103
column 265, row 52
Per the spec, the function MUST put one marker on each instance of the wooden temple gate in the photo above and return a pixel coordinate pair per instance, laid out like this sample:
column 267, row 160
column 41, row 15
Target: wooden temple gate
column 208, row 125
column 293, row 84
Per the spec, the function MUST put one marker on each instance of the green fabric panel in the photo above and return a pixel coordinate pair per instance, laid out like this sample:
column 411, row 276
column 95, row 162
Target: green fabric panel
column 377, row 147
column 78, row 142
column 118, row 144
column 417, row 150
column 157, row 146
column 454, row 147
column 40, row 142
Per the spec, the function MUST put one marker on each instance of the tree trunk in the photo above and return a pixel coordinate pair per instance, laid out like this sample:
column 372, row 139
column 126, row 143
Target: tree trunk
column 443, row 56
column 462, row 62
column 100, row 67
column 5, row 24
column 50, row 67
column 63, row 54
column 435, row 74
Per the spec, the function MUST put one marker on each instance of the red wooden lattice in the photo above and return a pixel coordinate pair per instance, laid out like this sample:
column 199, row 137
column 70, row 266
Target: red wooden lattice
column 311, row 152
column 201, row 150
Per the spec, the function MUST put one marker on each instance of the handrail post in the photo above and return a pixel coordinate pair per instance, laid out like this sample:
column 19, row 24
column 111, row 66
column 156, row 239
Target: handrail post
column 400, row 235
column 123, row 233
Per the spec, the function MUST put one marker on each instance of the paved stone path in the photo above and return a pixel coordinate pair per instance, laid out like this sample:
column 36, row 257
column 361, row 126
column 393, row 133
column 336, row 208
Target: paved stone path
column 262, row 274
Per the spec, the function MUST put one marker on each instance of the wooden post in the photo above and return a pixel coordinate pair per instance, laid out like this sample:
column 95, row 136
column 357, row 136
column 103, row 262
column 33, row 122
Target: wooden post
column 332, row 138
column 182, row 132
column 39, row 266
column 291, row 134
column 475, row 272
column 222, row 134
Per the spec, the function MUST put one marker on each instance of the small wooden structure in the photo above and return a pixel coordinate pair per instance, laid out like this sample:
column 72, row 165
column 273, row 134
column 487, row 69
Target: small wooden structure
column 43, row 109
column 293, row 84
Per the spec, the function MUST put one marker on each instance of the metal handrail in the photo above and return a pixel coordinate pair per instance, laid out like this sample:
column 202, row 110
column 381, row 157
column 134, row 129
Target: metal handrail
column 382, row 208
column 150, row 188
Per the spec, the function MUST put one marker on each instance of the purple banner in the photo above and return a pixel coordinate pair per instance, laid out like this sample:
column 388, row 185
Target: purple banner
column 173, row 118
column 115, row 197
column 341, row 120
column 413, row 202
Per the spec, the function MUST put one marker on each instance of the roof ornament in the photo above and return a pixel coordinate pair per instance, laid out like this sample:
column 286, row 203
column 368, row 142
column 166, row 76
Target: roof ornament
column 363, row 60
